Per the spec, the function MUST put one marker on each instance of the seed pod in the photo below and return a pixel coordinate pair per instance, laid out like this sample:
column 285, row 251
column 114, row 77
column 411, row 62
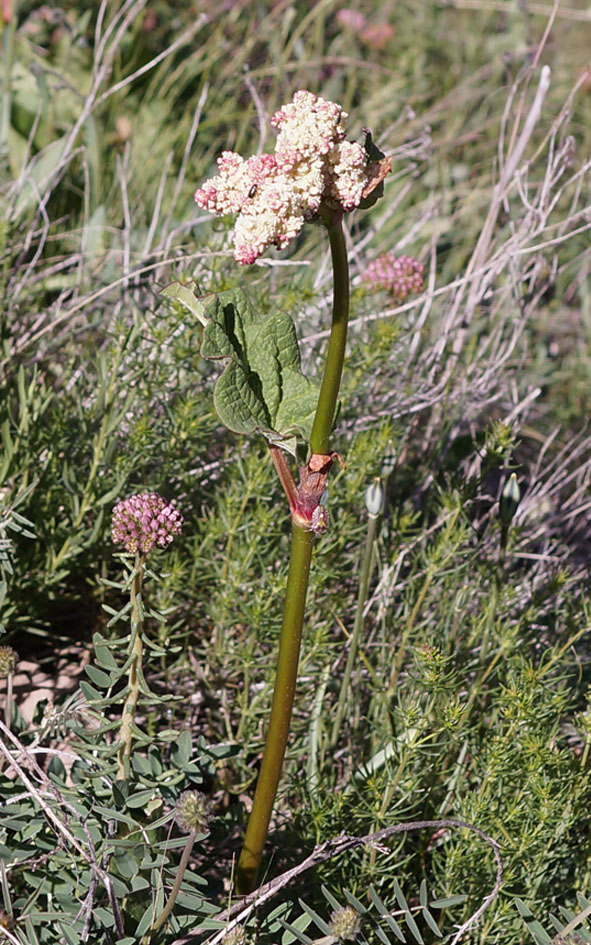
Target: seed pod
column 374, row 498
column 388, row 461
column 510, row 498
column 236, row 936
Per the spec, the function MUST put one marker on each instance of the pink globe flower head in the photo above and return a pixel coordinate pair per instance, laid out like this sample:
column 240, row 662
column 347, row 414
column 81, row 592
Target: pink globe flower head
column 377, row 35
column 273, row 195
column 145, row 520
column 351, row 19
column 401, row 276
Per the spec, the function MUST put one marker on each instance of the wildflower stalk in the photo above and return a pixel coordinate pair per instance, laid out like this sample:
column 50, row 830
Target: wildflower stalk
column 178, row 880
column 193, row 814
column 297, row 583
column 8, row 662
column 140, row 523
column 8, row 704
column 133, row 676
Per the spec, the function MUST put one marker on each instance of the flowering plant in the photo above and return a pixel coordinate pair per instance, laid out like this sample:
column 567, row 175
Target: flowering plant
column 140, row 523
column 315, row 175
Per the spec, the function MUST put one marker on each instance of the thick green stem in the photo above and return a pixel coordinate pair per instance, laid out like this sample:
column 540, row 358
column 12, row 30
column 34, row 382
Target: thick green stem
column 297, row 586
column 335, row 356
column 285, row 682
column 137, row 647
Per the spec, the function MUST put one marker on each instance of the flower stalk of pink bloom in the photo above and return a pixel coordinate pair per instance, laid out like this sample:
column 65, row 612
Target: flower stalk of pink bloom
column 140, row 523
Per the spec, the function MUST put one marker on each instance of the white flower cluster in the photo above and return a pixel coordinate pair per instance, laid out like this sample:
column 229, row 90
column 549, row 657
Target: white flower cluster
column 275, row 194
column 309, row 127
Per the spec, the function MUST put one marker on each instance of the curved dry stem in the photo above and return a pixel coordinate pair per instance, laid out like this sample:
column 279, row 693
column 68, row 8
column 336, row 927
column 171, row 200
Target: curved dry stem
column 240, row 911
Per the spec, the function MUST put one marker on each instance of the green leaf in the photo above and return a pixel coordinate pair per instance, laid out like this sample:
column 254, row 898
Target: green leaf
column 447, row 901
column 30, row 930
column 412, row 925
column 183, row 294
column 137, row 883
column 423, row 894
column 394, row 927
column 431, row 922
column 334, row 903
column 98, row 677
column 400, row 896
column 322, row 925
column 120, row 792
column 102, row 653
column 110, row 814
column 127, row 864
column 189, row 900
column 119, row 888
column 70, row 935
column 383, row 937
column 56, row 767
column 147, row 919
column 353, row 901
column 262, row 388
column 140, row 799
column 31, row 831
column 182, row 749
column 141, row 766
column 294, row 931
column 382, row 909
column 105, row 916
column 537, row 932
